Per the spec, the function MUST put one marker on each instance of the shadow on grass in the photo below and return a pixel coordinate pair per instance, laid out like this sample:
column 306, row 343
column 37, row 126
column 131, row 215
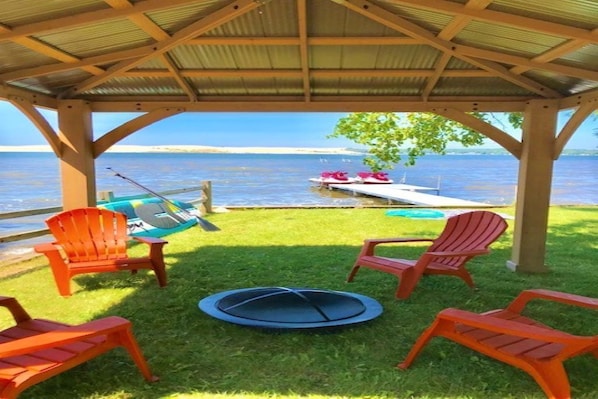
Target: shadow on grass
column 192, row 352
column 197, row 356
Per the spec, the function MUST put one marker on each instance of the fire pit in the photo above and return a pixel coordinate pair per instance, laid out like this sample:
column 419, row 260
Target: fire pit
column 282, row 308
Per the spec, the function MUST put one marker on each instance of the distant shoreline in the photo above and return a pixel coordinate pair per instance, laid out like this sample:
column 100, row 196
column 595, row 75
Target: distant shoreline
column 197, row 149
column 269, row 150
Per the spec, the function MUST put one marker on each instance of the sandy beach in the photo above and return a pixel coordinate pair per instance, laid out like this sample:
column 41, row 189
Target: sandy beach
column 198, row 149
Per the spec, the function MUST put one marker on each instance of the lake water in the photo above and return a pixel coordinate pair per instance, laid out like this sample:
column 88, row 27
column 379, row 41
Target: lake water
column 31, row 180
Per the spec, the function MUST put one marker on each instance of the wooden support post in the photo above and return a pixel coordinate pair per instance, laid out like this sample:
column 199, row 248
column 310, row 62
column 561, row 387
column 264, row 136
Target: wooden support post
column 77, row 164
column 533, row 187
column 206, row 197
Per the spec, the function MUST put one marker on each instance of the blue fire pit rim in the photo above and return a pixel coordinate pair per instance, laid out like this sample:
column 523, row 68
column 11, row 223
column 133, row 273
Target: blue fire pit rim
column 372, row 309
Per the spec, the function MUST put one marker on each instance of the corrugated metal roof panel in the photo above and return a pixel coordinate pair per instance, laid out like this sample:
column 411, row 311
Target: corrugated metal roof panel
column 14, row 57
column 579, row 13
column 101, row 38
column 15, row 13
column 173, row 19
column 585, row 57
column 480, row 87
column 138, row 86
column 57, row 82
column 424, row 18
column 505, row 38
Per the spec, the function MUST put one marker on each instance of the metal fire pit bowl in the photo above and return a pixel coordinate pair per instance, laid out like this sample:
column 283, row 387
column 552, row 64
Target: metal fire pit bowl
column 282, row 308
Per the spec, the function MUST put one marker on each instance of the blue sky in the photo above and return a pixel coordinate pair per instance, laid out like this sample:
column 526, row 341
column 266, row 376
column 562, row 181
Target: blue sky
column 228, row 129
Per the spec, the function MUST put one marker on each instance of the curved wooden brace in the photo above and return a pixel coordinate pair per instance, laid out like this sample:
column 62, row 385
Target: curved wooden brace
column 39, row 121
column 572, row 125
column 114, row 136
column 497, row 135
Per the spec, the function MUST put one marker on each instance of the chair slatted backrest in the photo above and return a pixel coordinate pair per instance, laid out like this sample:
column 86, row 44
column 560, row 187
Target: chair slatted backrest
column 89, row 234
column 468, row 231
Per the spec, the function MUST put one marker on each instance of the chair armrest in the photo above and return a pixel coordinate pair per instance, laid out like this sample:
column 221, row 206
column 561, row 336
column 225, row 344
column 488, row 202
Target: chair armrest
column 503, row 326
column 149, row 240
column 395, row 240
column 46, row 247
column 570, row 299
column 19, row 314
column 370, row 244
column 474, row 252
column 63, row 336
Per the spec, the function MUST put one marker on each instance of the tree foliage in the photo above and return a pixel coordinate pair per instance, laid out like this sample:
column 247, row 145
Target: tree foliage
column 388, row 135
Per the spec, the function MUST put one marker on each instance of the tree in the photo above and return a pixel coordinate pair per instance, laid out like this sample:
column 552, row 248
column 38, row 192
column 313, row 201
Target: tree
column 387, row 134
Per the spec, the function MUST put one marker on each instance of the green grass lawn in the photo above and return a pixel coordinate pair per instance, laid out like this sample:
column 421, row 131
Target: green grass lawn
column 197, row 356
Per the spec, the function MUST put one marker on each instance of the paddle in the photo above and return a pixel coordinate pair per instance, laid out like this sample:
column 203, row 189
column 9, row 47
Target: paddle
column 203, row 223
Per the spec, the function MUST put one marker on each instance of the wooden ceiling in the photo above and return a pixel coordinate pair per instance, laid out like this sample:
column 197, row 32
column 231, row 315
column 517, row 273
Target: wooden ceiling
column 300, row 55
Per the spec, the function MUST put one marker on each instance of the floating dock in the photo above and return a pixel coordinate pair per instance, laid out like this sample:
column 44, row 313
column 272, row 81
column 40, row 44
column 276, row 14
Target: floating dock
column 406, row 193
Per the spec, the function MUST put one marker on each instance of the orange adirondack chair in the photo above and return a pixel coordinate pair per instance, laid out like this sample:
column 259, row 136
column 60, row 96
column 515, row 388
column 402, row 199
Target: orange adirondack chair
column 464, row 236
column 506, row 335
column 95, row 240
column 36, row 349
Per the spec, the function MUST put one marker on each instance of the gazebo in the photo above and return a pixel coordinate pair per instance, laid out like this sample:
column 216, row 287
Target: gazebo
column 449, row 57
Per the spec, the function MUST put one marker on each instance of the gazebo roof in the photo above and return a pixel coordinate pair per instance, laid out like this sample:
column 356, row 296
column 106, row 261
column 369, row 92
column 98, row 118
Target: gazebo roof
column 304, row 55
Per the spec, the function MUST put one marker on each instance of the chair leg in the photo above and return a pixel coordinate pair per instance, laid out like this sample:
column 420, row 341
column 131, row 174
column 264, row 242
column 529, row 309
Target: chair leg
column 353, row 272
column 421, row 342
column 63, row 281
column 408, row 279
column 129, row 342
column 552, row 378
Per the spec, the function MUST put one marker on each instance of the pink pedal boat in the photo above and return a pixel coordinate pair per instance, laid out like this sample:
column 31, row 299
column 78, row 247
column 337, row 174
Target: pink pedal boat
column 336, row 177
column 373, row 178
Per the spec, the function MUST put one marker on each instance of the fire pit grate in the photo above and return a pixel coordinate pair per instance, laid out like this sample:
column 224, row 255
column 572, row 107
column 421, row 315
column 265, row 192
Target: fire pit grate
column 283, row 308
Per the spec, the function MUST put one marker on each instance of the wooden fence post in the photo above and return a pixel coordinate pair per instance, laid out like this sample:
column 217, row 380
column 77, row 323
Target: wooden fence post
column 206, row 197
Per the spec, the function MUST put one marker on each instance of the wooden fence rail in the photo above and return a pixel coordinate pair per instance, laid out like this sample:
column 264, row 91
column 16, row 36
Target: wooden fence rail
column 203, row 203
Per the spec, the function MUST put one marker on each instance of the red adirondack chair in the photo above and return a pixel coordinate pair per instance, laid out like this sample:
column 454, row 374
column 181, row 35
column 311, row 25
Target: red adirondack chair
column 506, row 335
column 465, row 235
column 36, row 349
column 95, row 240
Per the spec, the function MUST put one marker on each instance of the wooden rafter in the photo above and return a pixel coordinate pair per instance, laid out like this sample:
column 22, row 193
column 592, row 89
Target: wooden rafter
column 554, row 53
column 447, row 33
column 87, row 18
column 298, row 73
column 303, row 47
column 174, row 72
column 497, row 17
column 516, row 60
column 197, row 28
column 141, row 20
column 439, row 69
column 404, row 26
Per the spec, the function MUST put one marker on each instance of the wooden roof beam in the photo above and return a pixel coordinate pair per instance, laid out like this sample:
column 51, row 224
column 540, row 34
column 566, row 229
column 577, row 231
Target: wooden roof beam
column 317, row 104
column 314, row 73
column 554, row 53
column 453, row 28
column 86, row 18
column 141, row 20
column 217, row 18
column 516, row 60
column 404, row 26
column 502, row 18
column 311, row 41
column 304, row 48
column 174, row 72
column 83, row 63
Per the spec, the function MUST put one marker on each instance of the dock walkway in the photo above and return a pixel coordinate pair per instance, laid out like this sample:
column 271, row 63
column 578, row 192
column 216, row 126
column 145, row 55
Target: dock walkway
column 406, row 193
